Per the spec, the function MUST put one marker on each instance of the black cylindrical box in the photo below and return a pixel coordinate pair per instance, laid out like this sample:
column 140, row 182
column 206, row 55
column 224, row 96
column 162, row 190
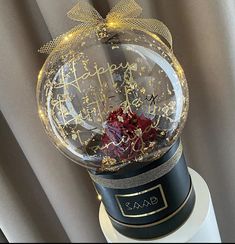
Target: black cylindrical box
column 150, row 201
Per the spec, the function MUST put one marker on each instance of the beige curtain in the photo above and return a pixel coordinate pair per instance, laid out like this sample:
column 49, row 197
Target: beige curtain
column 46, row 198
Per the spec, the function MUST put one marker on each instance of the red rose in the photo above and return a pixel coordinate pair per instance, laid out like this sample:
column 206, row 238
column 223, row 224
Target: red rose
column 126, row 135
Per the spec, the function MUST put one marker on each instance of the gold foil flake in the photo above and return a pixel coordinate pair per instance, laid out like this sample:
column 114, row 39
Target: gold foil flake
column 86, row 99
column 109, row 161
column 120, row 119
column 142, row 90
column 138, row 132
column 74, row 136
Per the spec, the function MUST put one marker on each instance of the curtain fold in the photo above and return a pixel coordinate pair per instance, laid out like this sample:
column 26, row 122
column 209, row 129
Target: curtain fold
column 64, row 205
column 66, row 185
column 25, row 212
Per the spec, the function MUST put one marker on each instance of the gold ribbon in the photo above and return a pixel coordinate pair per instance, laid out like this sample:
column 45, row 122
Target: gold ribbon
column 124, row 15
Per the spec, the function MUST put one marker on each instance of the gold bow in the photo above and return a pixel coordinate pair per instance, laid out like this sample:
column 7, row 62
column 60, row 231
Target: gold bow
column 124, row 15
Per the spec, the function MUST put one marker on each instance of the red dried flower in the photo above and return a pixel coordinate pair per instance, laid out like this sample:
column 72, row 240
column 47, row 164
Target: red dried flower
column 127, row 134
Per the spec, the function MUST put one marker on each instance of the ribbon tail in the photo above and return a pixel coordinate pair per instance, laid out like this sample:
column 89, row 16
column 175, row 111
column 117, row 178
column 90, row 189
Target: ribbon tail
column 152, row 25
column 85, row 13
column 124, row 9
column 65, row 40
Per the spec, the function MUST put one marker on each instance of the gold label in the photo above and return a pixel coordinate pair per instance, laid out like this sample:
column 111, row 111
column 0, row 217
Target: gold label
column 142, row 204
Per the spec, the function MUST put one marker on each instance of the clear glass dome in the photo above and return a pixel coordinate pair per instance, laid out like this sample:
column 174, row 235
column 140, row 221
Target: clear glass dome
column 107, row 102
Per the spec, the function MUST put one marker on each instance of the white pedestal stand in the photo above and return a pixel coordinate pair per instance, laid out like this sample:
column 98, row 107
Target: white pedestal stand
column 200, row 227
